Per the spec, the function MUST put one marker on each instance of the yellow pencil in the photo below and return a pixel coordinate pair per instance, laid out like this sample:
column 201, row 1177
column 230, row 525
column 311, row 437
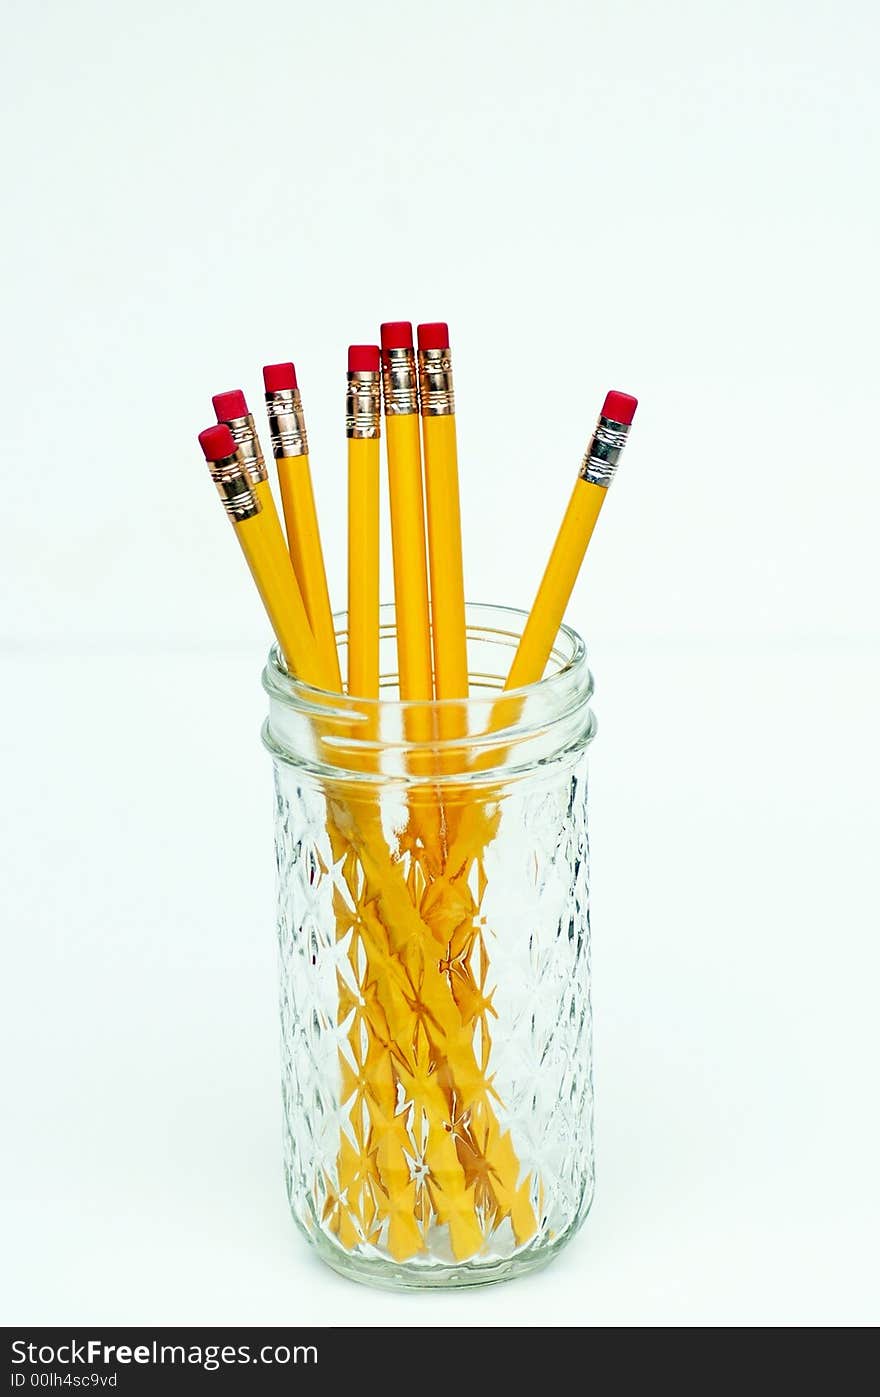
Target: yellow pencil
column 362, row 430
column 596, row 473
column 291, row 450
column 232, row 409
column 437, row 400
column 401, row 399
column 270, row 569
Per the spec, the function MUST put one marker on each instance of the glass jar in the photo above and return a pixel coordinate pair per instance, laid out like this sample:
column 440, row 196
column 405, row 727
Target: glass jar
column 434, row 942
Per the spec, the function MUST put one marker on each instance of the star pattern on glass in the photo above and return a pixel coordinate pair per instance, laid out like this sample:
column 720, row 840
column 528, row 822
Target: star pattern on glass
column 441, row 1024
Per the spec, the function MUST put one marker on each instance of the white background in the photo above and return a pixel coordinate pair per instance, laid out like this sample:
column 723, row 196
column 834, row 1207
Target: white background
column 677, row 200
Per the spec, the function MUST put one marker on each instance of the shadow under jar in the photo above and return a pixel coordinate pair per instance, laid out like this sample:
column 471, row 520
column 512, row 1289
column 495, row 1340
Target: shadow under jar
column 434, row 948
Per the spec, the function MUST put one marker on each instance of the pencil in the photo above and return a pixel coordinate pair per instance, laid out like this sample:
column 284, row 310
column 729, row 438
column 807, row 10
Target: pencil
column 290, row 448
column 401, row 401
column 270, row 570
column 232, row 409
column 437, row 402
column 362, row 431
column 587, row 498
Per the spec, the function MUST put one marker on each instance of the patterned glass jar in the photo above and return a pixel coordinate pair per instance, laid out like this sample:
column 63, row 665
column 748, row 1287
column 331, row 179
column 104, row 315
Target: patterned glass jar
column 434, row 944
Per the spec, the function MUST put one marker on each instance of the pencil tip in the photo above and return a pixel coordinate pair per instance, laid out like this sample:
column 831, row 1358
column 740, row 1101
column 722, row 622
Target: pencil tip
column 434, row 335
column 230, row 405
column 397, row 334
column 620, row 407
column 363, row 358
column 279, row 378
column 217, row 442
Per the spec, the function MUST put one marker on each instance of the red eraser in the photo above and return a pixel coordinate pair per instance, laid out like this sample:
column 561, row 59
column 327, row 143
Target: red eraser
column 434, row 335
column 363, row 358
column 620, row 407
column 397, row 334
column 217, row 442
column 230, row 405
column 278, row 378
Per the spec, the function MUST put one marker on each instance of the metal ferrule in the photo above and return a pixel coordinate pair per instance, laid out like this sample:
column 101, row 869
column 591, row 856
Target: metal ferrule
column 287, row 425
column 436, row 393
column 234, row 488
column 603, row 453
column 244, row 434
column 400, row 382
column 363, row 401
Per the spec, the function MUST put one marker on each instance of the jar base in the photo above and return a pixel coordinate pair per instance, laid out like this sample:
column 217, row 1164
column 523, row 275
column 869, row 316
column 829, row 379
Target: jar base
column 389, row 1275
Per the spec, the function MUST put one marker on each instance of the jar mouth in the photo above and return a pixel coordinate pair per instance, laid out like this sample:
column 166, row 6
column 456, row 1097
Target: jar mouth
column 493, row 727
column 567, row 663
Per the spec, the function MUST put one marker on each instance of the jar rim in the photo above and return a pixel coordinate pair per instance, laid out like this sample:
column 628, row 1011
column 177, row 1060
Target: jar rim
column 492, row 730
column 569, row 650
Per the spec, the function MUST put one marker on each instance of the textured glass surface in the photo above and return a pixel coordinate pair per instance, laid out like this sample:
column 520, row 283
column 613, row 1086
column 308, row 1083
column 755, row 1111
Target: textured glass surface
column 434, row 953
column 369, row 1177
